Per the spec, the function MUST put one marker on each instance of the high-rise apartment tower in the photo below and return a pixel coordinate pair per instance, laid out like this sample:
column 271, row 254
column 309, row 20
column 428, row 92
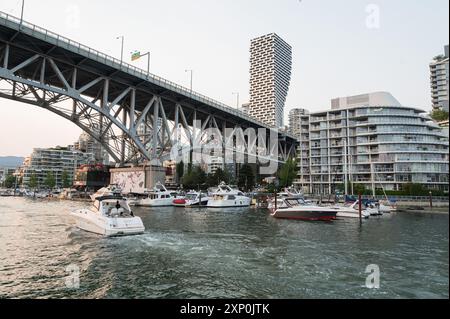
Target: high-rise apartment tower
column 270, row 76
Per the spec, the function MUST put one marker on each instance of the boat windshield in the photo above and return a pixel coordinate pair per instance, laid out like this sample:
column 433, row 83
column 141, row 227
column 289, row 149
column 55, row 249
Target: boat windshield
column 115, row 207
column 295, row 202
column 191, row 196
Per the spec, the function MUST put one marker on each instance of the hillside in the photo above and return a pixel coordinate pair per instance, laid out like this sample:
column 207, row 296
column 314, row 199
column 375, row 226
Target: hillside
column 10, row 161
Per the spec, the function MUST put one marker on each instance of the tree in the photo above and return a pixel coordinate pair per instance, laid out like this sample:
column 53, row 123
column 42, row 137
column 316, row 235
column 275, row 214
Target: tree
column 180, row 171
column 10, row 181
column 359, row 189
column 33, row 183
column 50, row 180
column 246, row 177
column 65, row 180
column 218, row 177
column 194, row 178
column 288, row 173
column 412, row 189
column 439, row 115
column 272, row 188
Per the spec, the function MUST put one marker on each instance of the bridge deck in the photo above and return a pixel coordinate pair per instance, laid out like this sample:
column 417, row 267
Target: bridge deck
column 26, row 39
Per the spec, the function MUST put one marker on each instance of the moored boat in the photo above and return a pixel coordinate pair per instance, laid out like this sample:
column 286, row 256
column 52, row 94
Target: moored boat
column 107, row 191
column 298, row 209
column 227, row 197
column 196, row 199
column 352, row 211
column 179, row 202
column 158, row 197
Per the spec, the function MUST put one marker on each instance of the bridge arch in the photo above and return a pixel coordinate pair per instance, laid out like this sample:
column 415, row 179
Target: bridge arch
column 135, row 115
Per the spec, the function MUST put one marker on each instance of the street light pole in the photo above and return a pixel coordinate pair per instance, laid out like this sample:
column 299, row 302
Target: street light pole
column 74, row 167
column 192, row 76
column 121, row 52
column 21, row 15
column 237, row 95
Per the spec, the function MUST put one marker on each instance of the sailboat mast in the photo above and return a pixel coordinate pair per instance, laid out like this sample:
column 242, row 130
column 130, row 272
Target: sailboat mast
column 345, row 167
column 372, row 173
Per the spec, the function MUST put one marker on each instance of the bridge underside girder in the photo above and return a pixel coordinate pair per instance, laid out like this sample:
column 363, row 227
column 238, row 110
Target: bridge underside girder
column 133, row 119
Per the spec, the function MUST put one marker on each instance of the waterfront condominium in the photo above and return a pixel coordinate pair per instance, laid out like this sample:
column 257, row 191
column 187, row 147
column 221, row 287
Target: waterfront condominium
column 299, row 127
column 439, row 81
column 87, row 144
column 372, row 140
column 270, row 76
column 56, row 161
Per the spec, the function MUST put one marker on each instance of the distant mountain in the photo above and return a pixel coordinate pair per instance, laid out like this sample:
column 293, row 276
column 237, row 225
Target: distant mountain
column 10, row 161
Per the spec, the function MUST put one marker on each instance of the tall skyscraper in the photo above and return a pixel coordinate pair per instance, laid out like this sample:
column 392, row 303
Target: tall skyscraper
column 439, row 81
column 270, row 76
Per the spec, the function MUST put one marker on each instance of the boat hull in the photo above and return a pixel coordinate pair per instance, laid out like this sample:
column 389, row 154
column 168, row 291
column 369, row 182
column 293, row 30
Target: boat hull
column 306, row 215
column 197, row 204
column 179, row 203
column 155, row 202
column 352, row 215
column 246, row 202
column 108, row 227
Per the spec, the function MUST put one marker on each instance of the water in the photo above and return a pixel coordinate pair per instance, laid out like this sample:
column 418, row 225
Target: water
column 201, row 254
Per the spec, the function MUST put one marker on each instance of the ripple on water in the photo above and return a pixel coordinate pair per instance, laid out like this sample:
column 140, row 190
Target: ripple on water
column 206, row 254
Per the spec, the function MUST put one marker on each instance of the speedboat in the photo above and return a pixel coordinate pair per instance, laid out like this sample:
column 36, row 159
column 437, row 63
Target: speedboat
column 291, row 192
column 227, row 197
column 158, row 197
column 194, row 199
column 352, row 211
column 369, row 205
column 386, row 208
column 109, row 216
column 298, row 209
column 373, row 207
column 107, row 191
column 179, row 202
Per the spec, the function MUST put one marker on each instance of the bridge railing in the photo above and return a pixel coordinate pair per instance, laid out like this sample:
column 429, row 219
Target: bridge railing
column 84, row 50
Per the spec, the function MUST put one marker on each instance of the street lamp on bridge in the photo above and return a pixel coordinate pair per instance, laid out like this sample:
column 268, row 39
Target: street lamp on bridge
column 237, row 97
column 192, row 76
column 121, row 52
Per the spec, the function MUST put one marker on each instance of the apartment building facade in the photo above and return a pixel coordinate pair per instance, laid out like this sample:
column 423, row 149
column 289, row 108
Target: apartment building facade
column 439, row 72
column 270, row 76
column 379, row 146
column 56, row 161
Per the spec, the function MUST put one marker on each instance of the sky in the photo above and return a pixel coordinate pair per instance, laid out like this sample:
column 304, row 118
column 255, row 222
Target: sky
column 340, row 48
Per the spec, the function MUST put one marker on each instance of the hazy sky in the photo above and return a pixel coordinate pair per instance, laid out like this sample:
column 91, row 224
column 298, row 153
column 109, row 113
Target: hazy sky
column 338, row 49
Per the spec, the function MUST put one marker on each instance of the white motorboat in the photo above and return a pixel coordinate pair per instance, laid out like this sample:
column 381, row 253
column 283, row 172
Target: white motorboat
column 352, row 211
column 109, row 216
column 297, row 209
column 158, row 197
column 195, row 199
column 291, row 192
column 372, row 207
column 107, row 191
column 179, row 200
column 227, row 197
column 386, row 208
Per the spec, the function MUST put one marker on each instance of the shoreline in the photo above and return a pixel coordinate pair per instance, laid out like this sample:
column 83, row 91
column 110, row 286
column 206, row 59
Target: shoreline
column 441, row 208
